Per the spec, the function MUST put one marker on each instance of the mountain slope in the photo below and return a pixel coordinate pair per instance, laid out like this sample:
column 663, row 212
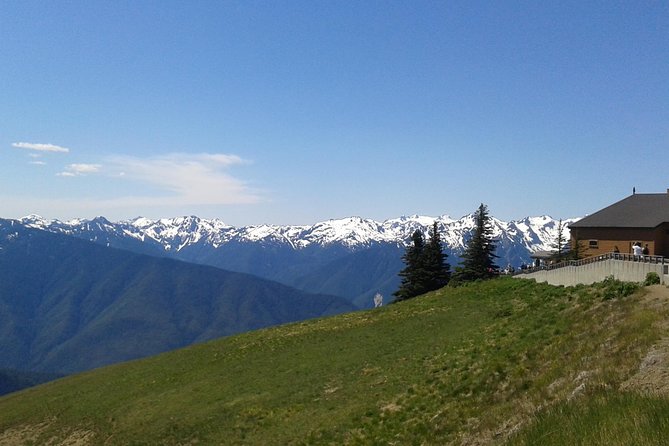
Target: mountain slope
column 69, row 305
column 459, row 366
column 307, row 257
column 350, row 276
column 13, row 380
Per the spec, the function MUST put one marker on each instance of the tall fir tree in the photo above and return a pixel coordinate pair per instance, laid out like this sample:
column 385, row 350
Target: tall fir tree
column 437, row 270
column 478, row 260
column 426, row 268
column 414, row 280
column 560, row 244
column 576, row 251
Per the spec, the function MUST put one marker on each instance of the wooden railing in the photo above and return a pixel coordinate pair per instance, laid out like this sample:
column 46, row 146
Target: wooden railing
column 599, row 258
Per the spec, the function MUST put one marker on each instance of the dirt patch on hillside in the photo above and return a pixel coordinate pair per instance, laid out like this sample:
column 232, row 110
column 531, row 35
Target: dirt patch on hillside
column 32, row 434
column 27, row 434
column 653, row 374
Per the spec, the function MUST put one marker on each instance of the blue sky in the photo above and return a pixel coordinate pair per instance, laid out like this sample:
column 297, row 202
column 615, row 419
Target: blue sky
column 293, row 112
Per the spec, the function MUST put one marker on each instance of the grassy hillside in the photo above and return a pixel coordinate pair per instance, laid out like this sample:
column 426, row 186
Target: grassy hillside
column 481, row 364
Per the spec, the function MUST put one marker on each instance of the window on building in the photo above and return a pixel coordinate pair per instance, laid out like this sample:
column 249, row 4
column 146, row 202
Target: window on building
column 593, row 244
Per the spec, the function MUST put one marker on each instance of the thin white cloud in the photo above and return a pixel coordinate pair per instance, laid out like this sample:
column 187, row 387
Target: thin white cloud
column 219, row 158
column 79, row 169
column 167, row 184
column 37, row 163
column 40, row 147
column 82, row 169
column 187, row 179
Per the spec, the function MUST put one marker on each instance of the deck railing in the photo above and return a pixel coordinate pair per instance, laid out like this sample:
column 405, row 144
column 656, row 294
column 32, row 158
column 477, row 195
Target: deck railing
column 599, row 258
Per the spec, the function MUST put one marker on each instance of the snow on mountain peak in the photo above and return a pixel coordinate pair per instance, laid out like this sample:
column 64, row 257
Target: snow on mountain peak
column 175, row 234
column 140, row 222
column 350, row 231
column 34, row 221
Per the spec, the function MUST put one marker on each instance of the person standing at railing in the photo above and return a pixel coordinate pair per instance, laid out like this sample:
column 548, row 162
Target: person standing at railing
column 637, row 251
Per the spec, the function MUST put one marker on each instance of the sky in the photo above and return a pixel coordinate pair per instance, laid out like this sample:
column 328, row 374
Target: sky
column 294, row 112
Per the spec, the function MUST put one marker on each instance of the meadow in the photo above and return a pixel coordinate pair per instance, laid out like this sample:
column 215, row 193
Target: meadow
column 505, row 360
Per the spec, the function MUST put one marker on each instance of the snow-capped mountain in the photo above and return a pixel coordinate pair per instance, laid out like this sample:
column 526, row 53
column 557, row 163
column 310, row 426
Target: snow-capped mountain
column 351, row 257
column 353, row 233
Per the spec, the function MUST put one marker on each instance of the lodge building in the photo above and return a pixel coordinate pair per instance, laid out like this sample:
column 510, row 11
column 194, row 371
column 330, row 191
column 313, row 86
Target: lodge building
column 642, row 218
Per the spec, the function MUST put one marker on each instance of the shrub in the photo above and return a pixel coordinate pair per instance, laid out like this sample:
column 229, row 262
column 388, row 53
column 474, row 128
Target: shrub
column 611, row 288
column 454, row 282
column 652, row 278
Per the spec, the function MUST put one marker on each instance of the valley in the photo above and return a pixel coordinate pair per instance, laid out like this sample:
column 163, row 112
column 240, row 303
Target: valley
column 68, row 305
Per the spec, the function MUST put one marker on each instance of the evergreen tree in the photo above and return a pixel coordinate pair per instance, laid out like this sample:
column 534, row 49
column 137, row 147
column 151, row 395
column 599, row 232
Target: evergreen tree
column 437, row 270
column 414, row 277
column 560, row 245
column 478, row 260
column 576, row 252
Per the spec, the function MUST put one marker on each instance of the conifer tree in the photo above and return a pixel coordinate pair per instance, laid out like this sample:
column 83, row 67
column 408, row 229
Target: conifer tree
column 576, row 251
column 560, row 245
column 478, row 260
column 426, row 268
column 437, row 270
column 414, row 280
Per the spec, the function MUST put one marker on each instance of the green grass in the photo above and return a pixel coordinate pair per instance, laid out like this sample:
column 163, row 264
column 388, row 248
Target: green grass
column 603, row 419
column 459, row 364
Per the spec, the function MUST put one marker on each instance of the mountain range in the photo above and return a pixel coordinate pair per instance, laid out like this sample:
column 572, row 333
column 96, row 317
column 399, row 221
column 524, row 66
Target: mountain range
column 85, row 293
column 68, row 305
column 352, row 257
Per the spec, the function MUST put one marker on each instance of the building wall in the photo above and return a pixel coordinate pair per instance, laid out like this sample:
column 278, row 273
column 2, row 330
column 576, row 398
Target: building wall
column 597, row 271
column 608, row 238
column 662, row 240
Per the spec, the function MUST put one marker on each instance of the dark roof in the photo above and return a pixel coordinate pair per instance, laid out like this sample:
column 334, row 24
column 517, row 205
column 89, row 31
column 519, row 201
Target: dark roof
column 635, row 211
